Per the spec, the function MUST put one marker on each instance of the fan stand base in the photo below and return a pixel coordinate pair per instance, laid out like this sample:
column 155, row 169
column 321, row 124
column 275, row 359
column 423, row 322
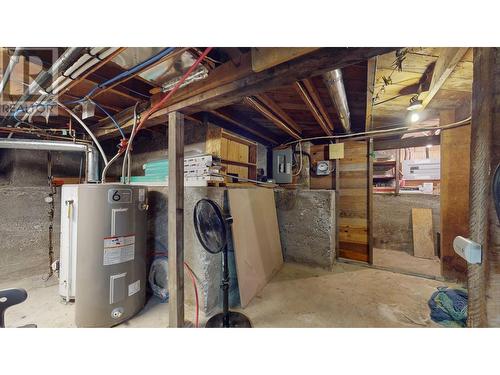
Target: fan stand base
column 236, row 320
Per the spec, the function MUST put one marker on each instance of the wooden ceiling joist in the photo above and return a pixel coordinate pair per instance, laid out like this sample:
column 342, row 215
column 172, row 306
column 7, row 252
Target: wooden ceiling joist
column 252, row 102
column 304, row 94
column 228, row 83
column 445, row 64
column 92, row 70
column 313, row 93
column 273, row 106
column 370, row 90
column 248, row 127
column 125, row 79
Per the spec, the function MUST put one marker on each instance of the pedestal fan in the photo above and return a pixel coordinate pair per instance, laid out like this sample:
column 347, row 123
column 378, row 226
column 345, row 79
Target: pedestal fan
column 211, row 228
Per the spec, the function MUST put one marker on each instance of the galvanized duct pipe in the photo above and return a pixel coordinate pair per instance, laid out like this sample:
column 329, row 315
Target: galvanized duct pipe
column 91, row 153
column 14, row 59
column 335, row 85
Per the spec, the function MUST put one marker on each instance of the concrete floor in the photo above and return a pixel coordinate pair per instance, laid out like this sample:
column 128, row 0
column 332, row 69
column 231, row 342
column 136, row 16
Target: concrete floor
column 299, row 296
column 402, row 261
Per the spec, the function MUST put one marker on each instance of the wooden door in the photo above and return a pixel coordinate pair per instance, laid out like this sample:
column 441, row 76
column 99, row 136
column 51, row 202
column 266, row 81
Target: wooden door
column 353, row 197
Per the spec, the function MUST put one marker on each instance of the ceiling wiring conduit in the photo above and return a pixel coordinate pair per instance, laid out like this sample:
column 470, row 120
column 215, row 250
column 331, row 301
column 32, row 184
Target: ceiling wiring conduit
column 91, row 153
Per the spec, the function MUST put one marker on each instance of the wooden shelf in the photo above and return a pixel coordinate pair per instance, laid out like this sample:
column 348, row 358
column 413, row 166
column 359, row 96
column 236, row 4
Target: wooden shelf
column 384, row 162
column 384, row 177
column 240, row 163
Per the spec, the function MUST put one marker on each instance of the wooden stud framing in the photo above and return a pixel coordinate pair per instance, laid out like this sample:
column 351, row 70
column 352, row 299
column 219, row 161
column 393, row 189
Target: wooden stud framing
column 176, row 219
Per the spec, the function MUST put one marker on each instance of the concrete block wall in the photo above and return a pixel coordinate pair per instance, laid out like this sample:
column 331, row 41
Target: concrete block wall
column 392, row 225
column 24, row 218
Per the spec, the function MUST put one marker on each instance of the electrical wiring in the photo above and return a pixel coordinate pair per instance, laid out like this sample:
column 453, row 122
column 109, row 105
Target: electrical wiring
column 174, row 89
column 384, row 132
column 111, row 117
column 301, row 161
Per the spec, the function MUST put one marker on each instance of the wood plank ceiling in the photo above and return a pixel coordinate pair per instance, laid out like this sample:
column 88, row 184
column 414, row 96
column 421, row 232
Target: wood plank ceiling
column 415, row 76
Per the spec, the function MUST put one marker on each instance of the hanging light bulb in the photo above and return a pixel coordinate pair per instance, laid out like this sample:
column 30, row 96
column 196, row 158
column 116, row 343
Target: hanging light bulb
column 414, row 117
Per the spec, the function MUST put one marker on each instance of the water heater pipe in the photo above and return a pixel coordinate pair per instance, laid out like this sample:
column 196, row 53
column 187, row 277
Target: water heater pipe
column 91, row 153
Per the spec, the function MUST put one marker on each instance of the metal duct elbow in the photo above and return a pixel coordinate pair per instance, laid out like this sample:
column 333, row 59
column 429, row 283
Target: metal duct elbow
column 91, row 152
column 335, row 85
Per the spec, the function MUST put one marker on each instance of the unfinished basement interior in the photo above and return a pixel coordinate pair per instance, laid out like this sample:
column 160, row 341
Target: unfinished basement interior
column 250, row 187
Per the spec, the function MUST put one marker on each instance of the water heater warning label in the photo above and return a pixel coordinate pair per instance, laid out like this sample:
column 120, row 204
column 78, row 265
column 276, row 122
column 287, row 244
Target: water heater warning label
column 118, row 249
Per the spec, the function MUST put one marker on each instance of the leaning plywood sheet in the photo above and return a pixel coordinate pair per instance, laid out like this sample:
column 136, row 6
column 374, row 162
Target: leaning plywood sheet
column 256, row 239
column 423, row 239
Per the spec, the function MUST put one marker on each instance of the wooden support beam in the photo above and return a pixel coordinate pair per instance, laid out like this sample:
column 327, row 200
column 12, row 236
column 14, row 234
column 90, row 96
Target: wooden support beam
column 272, row 117
column 176, row 219
column 228, row 83
column 391, row 144
column 445, row 64
column 266, row 57
column 248, row 127
column 274, row 107
column 482, row 279
column 301, row 90
column 454, row 194
column 313, row 93
column 370, row 89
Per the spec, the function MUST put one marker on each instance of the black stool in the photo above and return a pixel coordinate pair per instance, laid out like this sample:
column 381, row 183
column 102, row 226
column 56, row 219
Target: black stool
column 11, row 297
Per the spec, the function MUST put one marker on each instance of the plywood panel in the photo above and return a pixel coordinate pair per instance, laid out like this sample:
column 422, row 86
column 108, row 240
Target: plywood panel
column 353, row 202
column 256, row 239
column 423, row 239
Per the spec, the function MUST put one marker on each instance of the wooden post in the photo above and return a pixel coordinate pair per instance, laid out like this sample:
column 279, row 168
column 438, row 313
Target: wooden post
column 454, row 194
column 176, row 219
column 483, row 105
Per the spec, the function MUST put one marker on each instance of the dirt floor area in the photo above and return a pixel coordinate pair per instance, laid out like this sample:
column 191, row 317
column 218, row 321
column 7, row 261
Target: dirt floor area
column 299, row 296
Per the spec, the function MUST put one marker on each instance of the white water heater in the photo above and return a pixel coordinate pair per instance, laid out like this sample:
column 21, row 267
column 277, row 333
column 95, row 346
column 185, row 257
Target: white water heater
column 103, row 251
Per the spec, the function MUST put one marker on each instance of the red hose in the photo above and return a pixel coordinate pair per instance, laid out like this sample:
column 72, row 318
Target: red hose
column 193, row 279
column 172, row 92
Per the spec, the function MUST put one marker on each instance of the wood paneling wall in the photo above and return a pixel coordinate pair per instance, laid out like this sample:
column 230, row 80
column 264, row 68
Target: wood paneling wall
column 353, row 190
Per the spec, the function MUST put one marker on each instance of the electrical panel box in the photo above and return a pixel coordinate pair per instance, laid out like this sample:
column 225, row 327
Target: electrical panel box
column 282, row 166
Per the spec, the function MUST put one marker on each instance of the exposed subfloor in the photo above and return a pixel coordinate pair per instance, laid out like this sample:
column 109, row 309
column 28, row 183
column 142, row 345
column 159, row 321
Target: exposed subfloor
column 299, row 296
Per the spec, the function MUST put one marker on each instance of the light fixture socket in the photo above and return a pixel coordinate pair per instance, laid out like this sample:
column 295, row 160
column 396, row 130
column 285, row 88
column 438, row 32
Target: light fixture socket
column 415, row 103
